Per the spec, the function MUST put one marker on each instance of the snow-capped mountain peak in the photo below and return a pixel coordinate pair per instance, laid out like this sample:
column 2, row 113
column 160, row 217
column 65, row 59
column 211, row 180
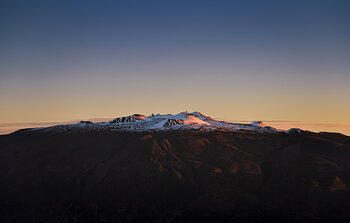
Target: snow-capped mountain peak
column 131, row 118
column 169, row 120
column 181, row 121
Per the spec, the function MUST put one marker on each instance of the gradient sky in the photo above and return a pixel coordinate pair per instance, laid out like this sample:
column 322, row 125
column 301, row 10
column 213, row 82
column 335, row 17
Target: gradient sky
column 241, row 60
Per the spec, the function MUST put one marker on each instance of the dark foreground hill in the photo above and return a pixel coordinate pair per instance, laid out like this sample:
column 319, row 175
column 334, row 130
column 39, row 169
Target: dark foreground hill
column 174, row 176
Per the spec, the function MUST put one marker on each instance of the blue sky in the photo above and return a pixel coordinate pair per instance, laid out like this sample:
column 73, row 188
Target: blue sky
column 243, row 60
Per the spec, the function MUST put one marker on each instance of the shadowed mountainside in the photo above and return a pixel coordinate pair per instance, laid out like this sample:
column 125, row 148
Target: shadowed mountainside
column 174, row 176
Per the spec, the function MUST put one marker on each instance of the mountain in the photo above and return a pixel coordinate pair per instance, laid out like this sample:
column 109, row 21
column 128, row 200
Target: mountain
column 141, row 123
column 173, row 168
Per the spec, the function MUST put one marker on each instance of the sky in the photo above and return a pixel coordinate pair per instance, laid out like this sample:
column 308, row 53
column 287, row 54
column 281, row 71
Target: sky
column 286, row 60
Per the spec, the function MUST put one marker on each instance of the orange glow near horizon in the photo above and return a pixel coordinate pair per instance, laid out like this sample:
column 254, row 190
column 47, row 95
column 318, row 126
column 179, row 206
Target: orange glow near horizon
column 225, row 59
column 343, row 128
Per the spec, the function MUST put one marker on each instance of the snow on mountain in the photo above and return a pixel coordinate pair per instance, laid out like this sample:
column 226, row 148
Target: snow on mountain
column 131, row 118
column 181, row 121
column 200, row 116
column 172, row 122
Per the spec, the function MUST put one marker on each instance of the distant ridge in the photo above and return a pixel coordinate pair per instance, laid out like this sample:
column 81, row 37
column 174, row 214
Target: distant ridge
column 163, row 122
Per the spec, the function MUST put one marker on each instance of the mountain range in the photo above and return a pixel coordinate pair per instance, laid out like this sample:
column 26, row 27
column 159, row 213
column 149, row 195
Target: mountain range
column 158, row 122
column 186, row 167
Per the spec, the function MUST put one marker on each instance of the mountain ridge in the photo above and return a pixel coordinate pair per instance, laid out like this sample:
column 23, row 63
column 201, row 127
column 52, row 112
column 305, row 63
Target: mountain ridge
column 186, row 167
column 161, row 122
column 180, row 175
